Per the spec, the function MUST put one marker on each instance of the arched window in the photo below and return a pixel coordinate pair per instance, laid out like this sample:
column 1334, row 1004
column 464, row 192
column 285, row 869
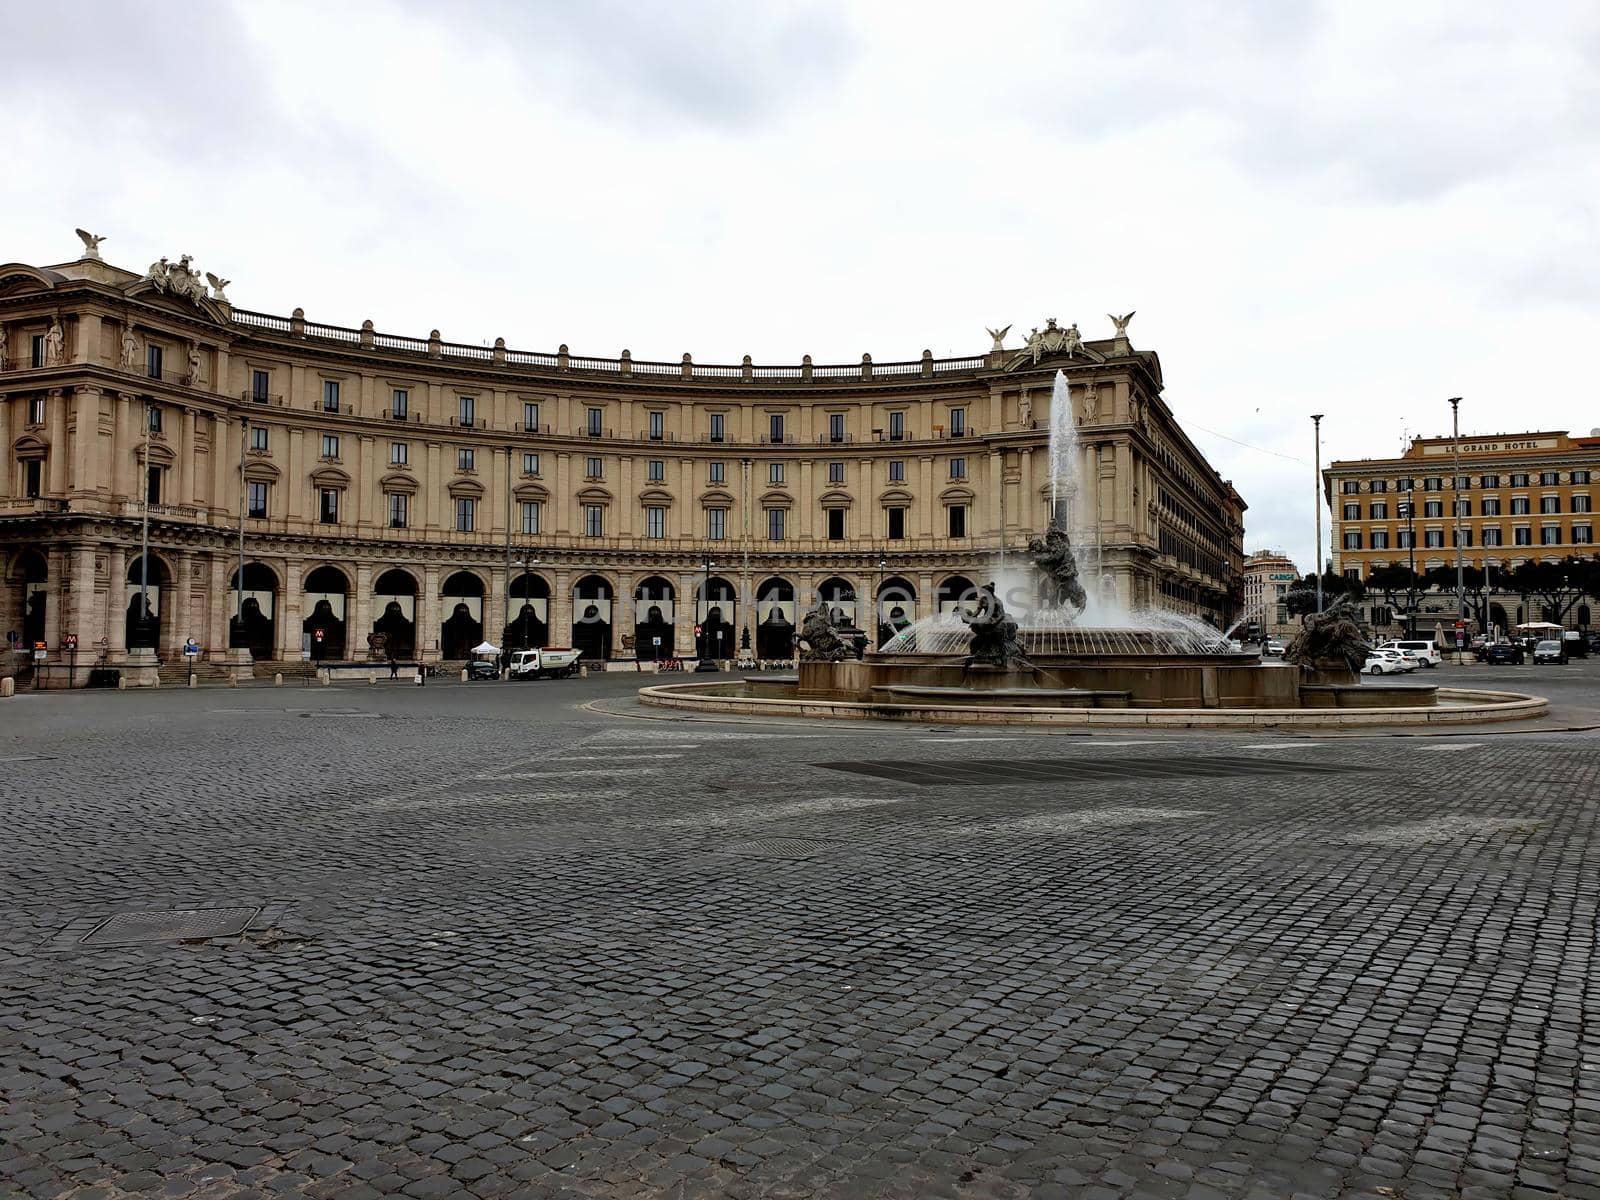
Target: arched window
column 463, row 624
column 776, row 619
column 592, row 617
column 530, row 613
column 653, row 618
column 326, row 600
column 394, row 599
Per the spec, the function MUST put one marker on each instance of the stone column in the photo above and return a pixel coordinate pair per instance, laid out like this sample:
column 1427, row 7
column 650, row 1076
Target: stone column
column 116, row 633
column 684, row 615
column 494, row 604
column 927, row 499
column 561, row 608
column 927, row 602
column 218, row 611
column 183, row 489
column 428, row 619
column 80, row 613
column 290, row 610
column 622, row 615
column 358, row 621
column 184, row 623
column 55, row 483
column 85, row 440
column 125, row 437
column 58, row 564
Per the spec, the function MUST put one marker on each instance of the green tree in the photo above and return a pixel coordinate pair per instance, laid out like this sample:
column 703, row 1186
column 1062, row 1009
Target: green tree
column 1301, row 598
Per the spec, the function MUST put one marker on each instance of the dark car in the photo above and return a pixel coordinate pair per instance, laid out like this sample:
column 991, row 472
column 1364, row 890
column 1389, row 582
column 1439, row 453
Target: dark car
column 1504, row 652
column 1550, row 652
column 480, row 668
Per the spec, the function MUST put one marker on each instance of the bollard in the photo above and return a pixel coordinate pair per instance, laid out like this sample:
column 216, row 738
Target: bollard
column 277, row 679
column 122, row 683
column 418, row 677
column 232, row 682
column 463, row 674
column 325, row 680
column 8, row 687
column 192, row 681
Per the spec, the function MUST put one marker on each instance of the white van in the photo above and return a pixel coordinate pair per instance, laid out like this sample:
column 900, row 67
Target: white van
column 1425, row 653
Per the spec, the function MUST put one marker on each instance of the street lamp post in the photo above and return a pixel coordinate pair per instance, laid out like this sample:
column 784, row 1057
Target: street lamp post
column 1455, row 500
column 144, row 535
column 706, row 663
column 1411, row 550
column 528, row 563
column 877, row 601
column 1316, row 566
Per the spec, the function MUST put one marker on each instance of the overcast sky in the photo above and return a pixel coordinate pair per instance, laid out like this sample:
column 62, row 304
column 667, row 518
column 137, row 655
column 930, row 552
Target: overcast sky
column 1351, row 208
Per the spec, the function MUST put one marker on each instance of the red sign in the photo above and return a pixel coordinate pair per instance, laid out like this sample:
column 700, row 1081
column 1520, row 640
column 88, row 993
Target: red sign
column 697, row 631
column 317, row 633
column 69, row 641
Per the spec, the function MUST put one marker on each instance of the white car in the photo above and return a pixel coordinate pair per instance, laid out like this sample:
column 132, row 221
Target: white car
column 1388, row 662
column 1425, row 653
column 1273, row 649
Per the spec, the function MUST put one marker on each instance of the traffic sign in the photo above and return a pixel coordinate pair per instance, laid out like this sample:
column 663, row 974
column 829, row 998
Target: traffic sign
column 317, row 633
column 69, row 641
column 697, row 631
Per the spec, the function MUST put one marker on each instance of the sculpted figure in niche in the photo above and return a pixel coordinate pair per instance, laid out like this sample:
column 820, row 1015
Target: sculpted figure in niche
column 130, row 349
column 1025, row 409
column 196, row 365
column 54, row 344
column 1091, row 401
column 5, row 357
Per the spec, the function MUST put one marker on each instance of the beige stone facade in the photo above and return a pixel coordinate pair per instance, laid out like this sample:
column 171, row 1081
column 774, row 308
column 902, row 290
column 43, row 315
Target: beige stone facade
column 379, row 477
column 1268, row 576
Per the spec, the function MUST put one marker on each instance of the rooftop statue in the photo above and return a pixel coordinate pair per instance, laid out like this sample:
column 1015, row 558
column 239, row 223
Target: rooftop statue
column 999, row 336
column 819, row 639
column 994, row 633
column 91, row 243
column 1121, row 322
column 1054, row 340
column 1052, row 555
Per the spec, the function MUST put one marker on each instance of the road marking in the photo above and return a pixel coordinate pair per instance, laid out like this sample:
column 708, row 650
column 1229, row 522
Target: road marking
column 565, row 758
column 1281, row 745
column 606, row 771
column 975, row 739
column 1453, row 746
column 26, row 757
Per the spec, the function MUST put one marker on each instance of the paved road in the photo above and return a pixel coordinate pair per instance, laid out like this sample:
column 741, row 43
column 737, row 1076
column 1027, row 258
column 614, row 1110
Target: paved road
column 506, row 945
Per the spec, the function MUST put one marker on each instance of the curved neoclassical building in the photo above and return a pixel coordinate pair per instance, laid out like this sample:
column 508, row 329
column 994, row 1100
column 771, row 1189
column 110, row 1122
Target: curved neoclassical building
column 444, row 494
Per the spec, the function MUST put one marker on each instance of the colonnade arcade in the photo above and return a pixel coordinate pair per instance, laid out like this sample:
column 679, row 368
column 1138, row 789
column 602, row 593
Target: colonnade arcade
column 331, row 608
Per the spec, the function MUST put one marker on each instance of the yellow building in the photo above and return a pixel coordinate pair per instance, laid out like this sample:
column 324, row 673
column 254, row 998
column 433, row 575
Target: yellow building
column 445, row 493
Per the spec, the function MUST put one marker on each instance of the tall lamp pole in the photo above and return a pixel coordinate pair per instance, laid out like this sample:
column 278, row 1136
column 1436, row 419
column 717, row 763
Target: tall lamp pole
column 706, row 663
column 528, row 563
column 1455, row 503
column 510, row 450
column 1411, row 548
column 1316, row 566
column 144, row 533
column 244, row 493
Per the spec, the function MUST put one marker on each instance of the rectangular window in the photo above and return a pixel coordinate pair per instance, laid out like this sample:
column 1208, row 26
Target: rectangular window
column 330, row 395
column 466, row 460
column 594, row 421
column 1489, row 481
column 466, row 514
column 1433, row 508
column 658, row 425
column 1580, row 477
column 399, row 404
column 33, row 481
column 897, row 523
column 716, row 472
column 1402, row 485
column 530, row 516
column 1378, row 485
column 256, row 499
column 836, row 524
column 399, row 454
column 155, row 418
column 716, row 524
column 897, row 426
column 775, row 472
column 1432, row 484
column 330, row 445
column 328, row 505
column 1463, row 482
column 152, row 361
column 958, row 427
column 530, row 464
column 836, row 427
column 958, row 520
column 719, row 424
column 1463, row 506
column 1378, row 510
column 260, row 381
column 399, row 510
column 1550, row 535
column 657, row 470
column 37, row 347
column 1380, row 539
column 1405, row 539
column 1580, row 504
column 1519, row 506
column 958, row 468
column 594, row 467
column 152, row 485
column 1549, row 478
column 836, row 472
column 1349, row 487
column 1352, row 512
column 775, row 428
column 258, row 438
column 467, row 410
column 775, row 523
column 1549, row 504
column 1582, row 535
column 1491, row 537
column 1352, row 540
column 897, row 470
column 594, row 520
column 655, row 521
column 1522, row 536
column 530, row 417
column 1491, row 506
column 1466, row 538
column 36, row 410
column 1433, row 538
column 1519, row 479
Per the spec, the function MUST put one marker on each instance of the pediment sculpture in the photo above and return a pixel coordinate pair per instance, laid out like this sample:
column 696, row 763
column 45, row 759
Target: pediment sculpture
column 180, row 279
column 1052, row 339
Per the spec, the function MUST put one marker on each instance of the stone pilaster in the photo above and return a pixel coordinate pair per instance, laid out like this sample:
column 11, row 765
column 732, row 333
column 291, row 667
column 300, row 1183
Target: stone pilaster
column 290, row 607
column 428, row 618
column 561, row 608
column 358, row 621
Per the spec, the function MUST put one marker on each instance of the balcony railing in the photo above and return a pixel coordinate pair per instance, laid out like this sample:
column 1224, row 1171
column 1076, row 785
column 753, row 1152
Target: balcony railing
column 29, row 505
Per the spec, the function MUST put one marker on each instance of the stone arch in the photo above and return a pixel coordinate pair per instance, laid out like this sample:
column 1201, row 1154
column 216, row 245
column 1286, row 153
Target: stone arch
column 151, row 578
column 955, row 591
column 896, row 607
column 394, row 595
column 716, row 612
column 325, row 595
column 253, row 609
column 839, row 594
column 530, row 613
column 593, row 613
column 777, row 617
column 654, row 617
column 29, row 575
column 463, row 592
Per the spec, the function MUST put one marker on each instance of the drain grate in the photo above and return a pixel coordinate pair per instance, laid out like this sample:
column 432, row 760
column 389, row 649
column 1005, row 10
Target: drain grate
column 781, row 847
column 966, row 772
column 171, row 925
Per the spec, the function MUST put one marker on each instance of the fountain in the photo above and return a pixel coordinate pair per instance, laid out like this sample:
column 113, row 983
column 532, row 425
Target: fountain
column 1055, row 644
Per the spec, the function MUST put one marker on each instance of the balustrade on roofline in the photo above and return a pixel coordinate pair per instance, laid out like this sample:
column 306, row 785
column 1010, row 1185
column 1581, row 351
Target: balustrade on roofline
column 805, row 372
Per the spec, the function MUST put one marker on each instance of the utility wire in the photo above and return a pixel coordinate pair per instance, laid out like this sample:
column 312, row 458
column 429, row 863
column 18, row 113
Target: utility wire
column 1187, row 424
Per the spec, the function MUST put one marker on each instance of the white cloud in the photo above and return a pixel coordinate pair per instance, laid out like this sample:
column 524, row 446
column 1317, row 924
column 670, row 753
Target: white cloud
column 1357, row 209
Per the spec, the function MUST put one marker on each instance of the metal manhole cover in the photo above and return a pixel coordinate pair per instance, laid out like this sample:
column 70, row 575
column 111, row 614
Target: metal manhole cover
column 969, row 772
column 172, row 925
column 781, row 847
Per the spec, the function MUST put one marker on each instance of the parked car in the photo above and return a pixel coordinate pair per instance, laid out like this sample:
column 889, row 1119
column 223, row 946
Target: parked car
column 1593, row 638
column 557, row 662
column 483, row 668
column 1425, row 653
column 1577, row 645
column 1501, row 653
column 1550, row 651
column 1388, row 662
column 1274, row 648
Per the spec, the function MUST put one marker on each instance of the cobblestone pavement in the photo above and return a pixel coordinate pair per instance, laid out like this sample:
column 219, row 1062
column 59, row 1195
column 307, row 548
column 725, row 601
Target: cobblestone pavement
column 507, row 946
